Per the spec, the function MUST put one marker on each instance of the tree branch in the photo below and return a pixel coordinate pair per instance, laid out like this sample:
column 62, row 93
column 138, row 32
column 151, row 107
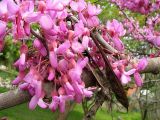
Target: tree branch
column 15, row 97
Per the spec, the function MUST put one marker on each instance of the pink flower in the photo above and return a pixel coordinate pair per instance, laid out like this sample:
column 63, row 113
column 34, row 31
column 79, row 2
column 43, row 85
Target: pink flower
column 36, row 100
column 31, row 17
column 63, row 47
column 118, row 43
column 46, row 22
column 93, row 10
column 125, row 76
column 19, row 78
column 115, row 28
column 2, row 30
column 53, row 59
column 93, row 21
column 85, row 41
column 40, row 47
column 142, row 64
column 3, row 8
column 63, row 66
column 77, row 47
column 57, row 5
column 51, row 74
column 54, row 104
column 12, row 7
column 78, row 6
column 2, row 33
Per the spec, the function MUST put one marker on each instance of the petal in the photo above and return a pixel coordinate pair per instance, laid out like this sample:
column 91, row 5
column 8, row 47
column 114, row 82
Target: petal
column 85, row 41
column 118, row 44
column 75, row 74
column 23, row 86
column 142, row 64
column 77, row 47
column 54, row 104
column 87, row 93
column 12, row 7
column 18, row 78
column 125, row 79
column 46, row 22
column 22, row 59
column 42, row 104
column 33, row 102
column 138, row 79
column 63, row 47
column 27, row 28
column 2, row 29
column 31, row 17
column 63, row 65
column 69, row 86
column 38, row 89
column 62, row 105
column 53, row 59
column 3, row 7
column 130, row 72
column 82, row 62
column 51, row 74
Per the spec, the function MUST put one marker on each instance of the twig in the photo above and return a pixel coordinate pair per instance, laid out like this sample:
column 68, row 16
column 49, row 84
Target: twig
column 41, row 39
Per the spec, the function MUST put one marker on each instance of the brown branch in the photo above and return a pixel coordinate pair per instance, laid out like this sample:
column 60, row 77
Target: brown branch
column 13, row 98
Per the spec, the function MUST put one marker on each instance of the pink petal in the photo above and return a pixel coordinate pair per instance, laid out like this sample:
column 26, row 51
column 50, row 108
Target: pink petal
column 38, row 89
column 69, row 86
column 118, row 44
column 18, row 78
column 3, row 7
column 93, row 10
column 33, row 102
column 87, row 93
column 27, row 28
column 130, row 72
column 42, row 104
column 85, row 41
column 138, row 79
column 82, row 62
column 46, row 22
column 75, row 74
column 63, row 65
column 53, row 59
column 54, row 104
column 63, row 47
column 23, row 86
column 77, row 88
column 51, row 74
column 77, row 47
column 22, row 59
column 31, row 17
column 62, row 105
column 125, row 79
column 142, row 64
column 12, row 7
column 2, row 29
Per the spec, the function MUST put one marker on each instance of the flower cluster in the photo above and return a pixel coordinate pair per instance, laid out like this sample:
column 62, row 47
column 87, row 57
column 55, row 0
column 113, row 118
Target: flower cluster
column 146, row 33
column 61, row 38
column 141, row 6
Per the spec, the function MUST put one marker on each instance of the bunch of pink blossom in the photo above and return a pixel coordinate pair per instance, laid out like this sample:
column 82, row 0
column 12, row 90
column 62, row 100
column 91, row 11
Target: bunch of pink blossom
column 141, row 6
column 58, row 46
